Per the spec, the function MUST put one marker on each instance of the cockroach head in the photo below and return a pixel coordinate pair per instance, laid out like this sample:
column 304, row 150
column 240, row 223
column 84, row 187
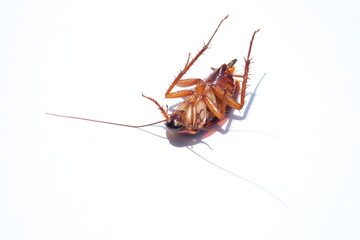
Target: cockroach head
column 175, row 121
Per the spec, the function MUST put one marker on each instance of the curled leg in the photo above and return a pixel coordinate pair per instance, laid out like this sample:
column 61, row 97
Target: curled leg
column 225, row 98
column 213, row 108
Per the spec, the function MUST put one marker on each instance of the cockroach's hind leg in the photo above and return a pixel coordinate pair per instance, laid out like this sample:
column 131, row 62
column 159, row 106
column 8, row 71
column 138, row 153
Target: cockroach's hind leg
column 190, row 63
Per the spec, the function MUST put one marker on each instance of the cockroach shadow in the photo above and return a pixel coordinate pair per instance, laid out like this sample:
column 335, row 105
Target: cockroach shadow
column 188, row 141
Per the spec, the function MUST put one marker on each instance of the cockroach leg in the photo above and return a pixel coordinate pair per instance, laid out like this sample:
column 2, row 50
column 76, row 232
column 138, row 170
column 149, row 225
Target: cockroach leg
column 188, row 82
column 209, row 100
column 164, row 113
column 246, row 72
column 212, row 106
column 232, row 103
column 238, row 76
column 189, row 64
column 178, row 94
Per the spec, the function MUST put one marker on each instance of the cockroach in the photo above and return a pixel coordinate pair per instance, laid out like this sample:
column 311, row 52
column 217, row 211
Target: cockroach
column 208, row 102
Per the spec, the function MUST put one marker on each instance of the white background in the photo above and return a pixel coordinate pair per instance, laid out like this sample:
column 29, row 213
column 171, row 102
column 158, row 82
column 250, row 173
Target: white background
column 289, row 170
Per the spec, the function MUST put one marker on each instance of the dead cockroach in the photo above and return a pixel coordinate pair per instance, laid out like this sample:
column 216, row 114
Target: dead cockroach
column 209, row 101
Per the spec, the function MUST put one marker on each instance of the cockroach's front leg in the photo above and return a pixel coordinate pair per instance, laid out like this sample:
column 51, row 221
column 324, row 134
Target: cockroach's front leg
column 164, row 113
column 190, row 63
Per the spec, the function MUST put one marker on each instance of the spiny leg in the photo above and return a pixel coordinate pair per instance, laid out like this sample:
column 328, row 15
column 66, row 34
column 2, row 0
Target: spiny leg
column 213, row 107
column 225, row 98
column 245, row 76
column 159, row 106
column 189, row 64
column 238, row 76
column 183, row 93
column 188, row 83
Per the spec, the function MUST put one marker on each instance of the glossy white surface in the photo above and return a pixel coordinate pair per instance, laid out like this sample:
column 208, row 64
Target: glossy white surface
column 287, row 171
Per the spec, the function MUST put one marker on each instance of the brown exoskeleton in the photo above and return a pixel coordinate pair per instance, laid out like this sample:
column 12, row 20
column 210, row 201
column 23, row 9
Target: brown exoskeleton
column 209, row 101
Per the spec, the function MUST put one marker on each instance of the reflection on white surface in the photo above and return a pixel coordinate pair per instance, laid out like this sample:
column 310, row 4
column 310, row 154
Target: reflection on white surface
column 68, row 179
